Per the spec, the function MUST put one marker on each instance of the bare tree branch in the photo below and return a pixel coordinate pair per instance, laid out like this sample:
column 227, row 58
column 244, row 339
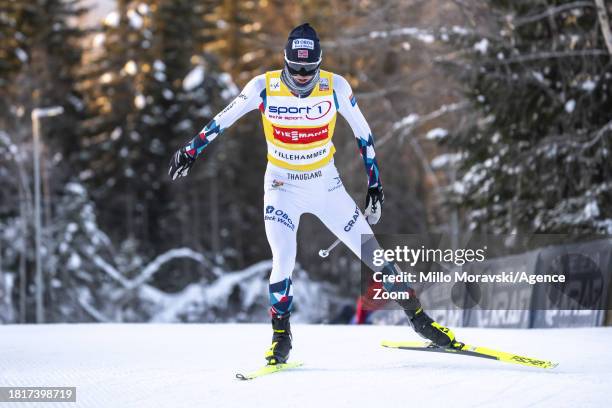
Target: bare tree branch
column 551, row 12
column 598, row 135
column 82, row 297
column 409, row 123
column 548, row 55
column 604, row 23
column 110, row 270
column 154, row 266
column 426, row 36
column 464, row 7
column 570, row 140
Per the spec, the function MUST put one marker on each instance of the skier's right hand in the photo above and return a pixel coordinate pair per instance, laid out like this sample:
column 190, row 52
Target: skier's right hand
column 375, row 199
column 180, row 164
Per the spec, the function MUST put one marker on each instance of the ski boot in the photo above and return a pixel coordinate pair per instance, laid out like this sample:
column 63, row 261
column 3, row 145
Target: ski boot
column 427, row 328
column 278, row 353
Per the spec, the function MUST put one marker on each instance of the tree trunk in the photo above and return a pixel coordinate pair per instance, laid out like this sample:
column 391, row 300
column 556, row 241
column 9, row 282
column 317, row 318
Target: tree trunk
column 214, row 212
column 22, row 262
column 604, row 23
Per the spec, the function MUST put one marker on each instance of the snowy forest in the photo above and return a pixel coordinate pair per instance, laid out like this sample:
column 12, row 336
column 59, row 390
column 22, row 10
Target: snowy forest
column 489, row 115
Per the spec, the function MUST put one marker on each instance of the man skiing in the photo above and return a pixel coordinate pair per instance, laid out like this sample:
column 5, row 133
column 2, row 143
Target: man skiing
column 299, row 106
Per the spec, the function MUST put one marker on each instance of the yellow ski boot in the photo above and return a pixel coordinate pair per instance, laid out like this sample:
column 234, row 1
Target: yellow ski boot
column 278, row 353
column 426, row 327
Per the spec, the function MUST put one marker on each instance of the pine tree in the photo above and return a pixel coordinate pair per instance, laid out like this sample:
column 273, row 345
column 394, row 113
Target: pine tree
column 151, row 88
column 40, row 52
column 111, row 142
column 191, row 90
column 535, row 152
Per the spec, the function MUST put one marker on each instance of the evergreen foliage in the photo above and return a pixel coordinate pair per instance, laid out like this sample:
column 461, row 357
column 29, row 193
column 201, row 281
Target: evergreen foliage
column 535, row 150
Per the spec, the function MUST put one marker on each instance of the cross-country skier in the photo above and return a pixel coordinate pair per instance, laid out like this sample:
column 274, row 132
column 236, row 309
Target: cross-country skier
column 299, row 105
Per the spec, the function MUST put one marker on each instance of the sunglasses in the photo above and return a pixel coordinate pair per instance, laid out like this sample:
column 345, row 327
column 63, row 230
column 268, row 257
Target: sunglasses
column 302, row 68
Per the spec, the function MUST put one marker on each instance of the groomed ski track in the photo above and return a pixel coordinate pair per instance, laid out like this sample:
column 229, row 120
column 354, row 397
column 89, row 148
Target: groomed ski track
column 193, row 365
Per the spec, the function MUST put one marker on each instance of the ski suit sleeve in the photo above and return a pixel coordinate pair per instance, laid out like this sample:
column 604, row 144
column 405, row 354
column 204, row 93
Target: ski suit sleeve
column 249, row 99
column 347, row 106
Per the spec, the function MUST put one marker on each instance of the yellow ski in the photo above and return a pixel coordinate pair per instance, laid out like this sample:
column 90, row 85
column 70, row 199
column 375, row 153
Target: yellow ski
column 268, row 369
column 474, row 351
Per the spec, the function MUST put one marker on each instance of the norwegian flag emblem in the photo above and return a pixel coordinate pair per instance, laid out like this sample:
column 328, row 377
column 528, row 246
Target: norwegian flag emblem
column 302, row 53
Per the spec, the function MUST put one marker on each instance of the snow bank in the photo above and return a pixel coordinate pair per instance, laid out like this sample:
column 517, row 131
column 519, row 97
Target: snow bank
column 193, row 365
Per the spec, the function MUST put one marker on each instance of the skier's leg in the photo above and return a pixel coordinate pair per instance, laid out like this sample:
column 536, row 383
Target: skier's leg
column 281, row 217
column 342, row 216
column 281, row 222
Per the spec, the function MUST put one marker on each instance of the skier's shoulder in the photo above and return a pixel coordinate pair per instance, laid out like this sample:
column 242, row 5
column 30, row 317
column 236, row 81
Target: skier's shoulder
column 260, row 77
column 270, row 77
column 275, row 73
column 341, row 85
column 258, row 82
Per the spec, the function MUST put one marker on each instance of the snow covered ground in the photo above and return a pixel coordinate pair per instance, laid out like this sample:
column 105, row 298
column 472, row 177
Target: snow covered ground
column 180, row 365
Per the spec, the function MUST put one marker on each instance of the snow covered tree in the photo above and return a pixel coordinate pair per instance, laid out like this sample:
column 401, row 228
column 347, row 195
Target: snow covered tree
column 93, row 280
column 40, row 52
column 13, row 42
column 151, row 87
column 189, row 91
column 40, row 57
column 74, row 243
column 113, row 149
column 535, row 149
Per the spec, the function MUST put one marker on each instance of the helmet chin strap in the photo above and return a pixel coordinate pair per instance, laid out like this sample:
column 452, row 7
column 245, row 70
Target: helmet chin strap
column 297, row 88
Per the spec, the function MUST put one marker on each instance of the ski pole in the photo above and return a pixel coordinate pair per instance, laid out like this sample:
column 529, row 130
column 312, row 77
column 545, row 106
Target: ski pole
column 324, row 253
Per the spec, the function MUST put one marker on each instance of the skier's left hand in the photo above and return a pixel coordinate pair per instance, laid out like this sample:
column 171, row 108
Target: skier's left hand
column 374, row 203
column 180, row 163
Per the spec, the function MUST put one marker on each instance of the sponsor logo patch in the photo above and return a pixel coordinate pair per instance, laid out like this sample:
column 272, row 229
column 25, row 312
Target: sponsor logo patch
column 275, row 84
column 228, row 107
column 302, row 54
column 277, row 183
column 324, row 84
column 314, row 112
column 527, row 360
column 349, row 225
column 353, row 100
column 300, row 156
column 337, row 185
column 300, row 136
column 278, row 215
column 302, row 43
